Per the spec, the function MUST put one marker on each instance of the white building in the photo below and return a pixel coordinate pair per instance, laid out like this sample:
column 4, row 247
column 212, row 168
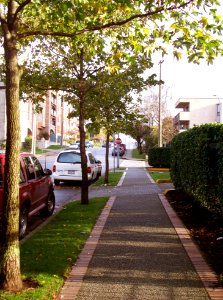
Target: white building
column 197, row 111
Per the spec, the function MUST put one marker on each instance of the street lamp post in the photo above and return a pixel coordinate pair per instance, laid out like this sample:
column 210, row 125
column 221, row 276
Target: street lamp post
column 160, row 140
column 34, row 131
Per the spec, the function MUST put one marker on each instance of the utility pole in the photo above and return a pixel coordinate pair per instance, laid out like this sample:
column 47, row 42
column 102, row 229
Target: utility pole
column 160, row 140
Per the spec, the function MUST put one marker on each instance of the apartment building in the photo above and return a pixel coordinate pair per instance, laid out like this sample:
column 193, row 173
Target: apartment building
column 197, row 111
column 52, row 121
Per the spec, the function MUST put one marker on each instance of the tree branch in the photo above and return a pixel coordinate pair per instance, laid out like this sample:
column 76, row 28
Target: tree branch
column 20, row 7
column 105, row 26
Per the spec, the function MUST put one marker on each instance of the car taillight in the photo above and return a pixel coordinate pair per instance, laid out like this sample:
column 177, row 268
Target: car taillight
column 88, row 170
column 54, row 168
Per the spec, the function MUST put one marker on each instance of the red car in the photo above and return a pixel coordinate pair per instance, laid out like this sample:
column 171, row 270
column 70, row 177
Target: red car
column 36, row 192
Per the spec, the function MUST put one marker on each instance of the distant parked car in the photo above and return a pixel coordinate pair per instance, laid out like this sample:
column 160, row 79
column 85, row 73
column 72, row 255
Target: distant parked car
column 87, row 144
column 115, row 151
column 74, row 146
column 99, row 167
column 109, row 145
column 67, row 167
column 36, row 192
column 91, row 143
column 123, row 146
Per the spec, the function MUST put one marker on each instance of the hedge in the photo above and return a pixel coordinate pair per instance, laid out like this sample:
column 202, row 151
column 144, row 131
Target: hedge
column 159, row 157
column 197, row 164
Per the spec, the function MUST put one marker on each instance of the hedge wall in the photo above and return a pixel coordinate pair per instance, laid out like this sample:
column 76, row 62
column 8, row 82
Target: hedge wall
column 159, row 157
column 197, row 164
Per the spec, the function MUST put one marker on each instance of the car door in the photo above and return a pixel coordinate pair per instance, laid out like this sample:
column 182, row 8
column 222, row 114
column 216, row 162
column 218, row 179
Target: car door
column 41, row 180
column 93, row 165
column 38, row 190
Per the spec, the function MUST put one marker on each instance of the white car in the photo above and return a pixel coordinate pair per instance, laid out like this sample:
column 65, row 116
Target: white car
column 74, row 146
column 67, row 167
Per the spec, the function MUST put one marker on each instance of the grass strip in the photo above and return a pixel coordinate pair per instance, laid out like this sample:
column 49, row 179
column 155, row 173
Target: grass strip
column 113, row 179
column 137, row 155
column 159, row 175
column 47, row 257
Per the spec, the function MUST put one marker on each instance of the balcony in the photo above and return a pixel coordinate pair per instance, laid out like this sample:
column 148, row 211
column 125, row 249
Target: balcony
column 182, row 116
column 185, row 104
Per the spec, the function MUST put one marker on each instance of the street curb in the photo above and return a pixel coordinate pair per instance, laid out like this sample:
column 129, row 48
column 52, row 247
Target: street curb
column 73, row 283
column 122, row 178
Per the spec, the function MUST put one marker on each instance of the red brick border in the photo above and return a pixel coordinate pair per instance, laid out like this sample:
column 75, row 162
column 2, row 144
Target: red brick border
column 74, row 281
column 206, row 274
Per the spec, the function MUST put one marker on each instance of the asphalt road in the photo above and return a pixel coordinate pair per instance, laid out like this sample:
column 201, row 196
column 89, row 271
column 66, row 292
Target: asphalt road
column 66, row 192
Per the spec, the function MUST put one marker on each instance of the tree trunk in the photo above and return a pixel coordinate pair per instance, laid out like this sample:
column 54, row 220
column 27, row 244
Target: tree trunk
column 106, row 179
column 10, row 275
column 85, row 183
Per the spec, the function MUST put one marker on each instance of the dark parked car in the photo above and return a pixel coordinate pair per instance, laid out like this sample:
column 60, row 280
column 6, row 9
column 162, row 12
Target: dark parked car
column 36, row 192
column 123, row 146
column 99, row 164
column 115, row 151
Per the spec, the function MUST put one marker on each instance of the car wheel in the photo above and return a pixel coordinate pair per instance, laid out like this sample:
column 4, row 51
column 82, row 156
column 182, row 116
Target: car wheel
column 23, row 221
column 50, row 205
column 56, row 182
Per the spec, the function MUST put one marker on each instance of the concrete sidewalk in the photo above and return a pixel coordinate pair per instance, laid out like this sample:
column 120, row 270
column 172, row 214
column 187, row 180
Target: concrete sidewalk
column 135, row 253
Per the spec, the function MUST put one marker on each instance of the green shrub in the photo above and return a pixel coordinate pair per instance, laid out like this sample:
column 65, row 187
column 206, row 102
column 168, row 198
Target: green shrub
column 197, row 164
column 159, row 157
column 27, row 145
column 2, row 144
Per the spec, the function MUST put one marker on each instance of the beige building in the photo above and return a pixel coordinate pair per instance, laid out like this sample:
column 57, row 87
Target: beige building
column 197, row 111
column 51, row 122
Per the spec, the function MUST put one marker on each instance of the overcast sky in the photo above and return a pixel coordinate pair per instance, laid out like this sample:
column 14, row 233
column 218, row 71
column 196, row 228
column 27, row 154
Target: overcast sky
column 188, row 80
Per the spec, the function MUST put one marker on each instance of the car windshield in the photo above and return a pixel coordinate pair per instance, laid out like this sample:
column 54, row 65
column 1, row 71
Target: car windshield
column 69, row 157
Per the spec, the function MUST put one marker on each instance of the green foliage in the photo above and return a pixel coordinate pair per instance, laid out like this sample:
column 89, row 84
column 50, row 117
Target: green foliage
column 54, row 147
column 159, row 175
column 2, row 144
column 113, row 178
column 48, row 263
column 197, row 164
column 159, row 157
column 27, row 145
column 136, row 154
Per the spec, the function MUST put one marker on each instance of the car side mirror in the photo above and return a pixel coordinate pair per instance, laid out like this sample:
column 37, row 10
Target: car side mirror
column 47, row 172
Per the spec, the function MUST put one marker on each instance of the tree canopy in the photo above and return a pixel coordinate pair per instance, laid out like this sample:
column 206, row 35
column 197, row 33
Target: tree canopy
column 189, row 25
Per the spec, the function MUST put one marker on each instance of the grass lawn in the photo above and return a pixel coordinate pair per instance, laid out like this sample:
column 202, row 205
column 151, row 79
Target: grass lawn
column 135, row 154
column 40, row 151
column 159, row 175
column 114, row 178
column 47, row 257
column 55, row 147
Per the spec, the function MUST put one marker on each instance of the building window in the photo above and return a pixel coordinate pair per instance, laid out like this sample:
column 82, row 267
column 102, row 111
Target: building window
column 218, row 109
column 54, row 121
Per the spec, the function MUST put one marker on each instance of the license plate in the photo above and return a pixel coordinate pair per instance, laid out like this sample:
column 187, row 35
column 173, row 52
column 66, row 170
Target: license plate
column 71, row 172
